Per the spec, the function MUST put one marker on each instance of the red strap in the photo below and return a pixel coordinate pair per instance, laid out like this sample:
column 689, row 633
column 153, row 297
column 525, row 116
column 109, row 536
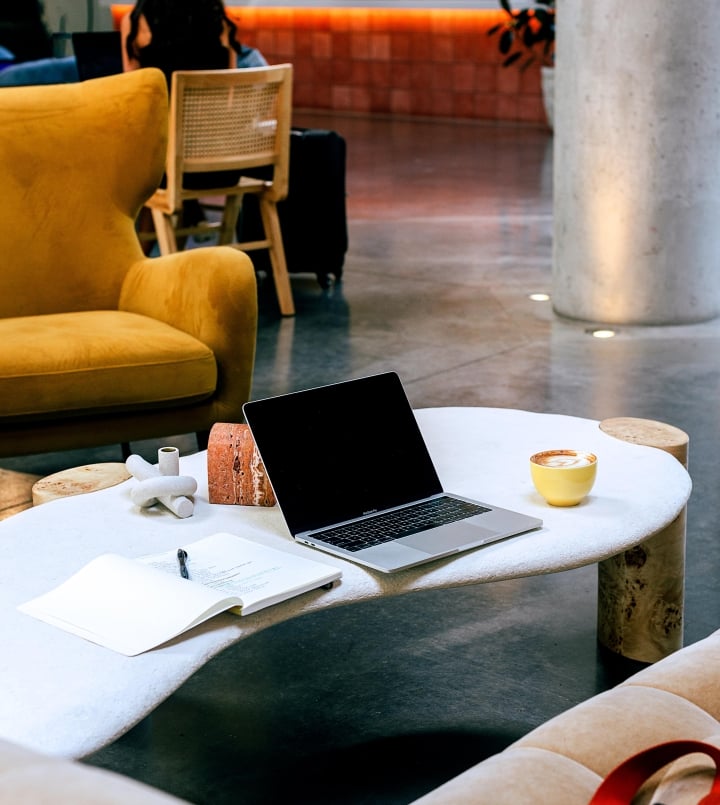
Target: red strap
column 623, row 782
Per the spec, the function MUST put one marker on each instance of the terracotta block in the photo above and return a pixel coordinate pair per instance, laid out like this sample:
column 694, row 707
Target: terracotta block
column 486, row 78
column 342, row 71
column 380, row 100
column 508, row 81
column 359, row 45
column 380, row 75
column 506, row 107
column 443, row 77
column 380, row 46
column 359, row 74
column 342, row 98
column 236, row 474
column 400, row 102
column 321, row 45
column 421, row 47
column 443, row 49
column 360, row 99
column 285, row 43
column 303, row 43
column 486, row 107
column 304, row 71
column 400, row 46
column 441, row 103
column 463, row 104
column 463, row 77
column 341, row 45
column 402, row 76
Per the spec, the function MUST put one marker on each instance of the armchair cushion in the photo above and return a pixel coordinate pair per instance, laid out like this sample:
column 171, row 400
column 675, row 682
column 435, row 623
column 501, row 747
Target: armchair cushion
column 132, row 360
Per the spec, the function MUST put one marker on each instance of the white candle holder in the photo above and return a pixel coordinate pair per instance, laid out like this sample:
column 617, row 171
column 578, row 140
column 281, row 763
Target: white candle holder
column 162, row 483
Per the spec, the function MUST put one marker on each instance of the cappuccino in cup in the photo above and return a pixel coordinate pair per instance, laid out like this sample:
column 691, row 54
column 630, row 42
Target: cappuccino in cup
column 563, row 477
column 564, row 458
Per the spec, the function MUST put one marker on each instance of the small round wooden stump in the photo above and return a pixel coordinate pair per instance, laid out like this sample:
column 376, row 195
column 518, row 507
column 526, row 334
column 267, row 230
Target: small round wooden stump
column 641, row 591
column 78, row 481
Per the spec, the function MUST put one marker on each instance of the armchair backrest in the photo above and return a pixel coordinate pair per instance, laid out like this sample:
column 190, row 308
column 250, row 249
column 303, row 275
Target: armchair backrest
column 77, row 163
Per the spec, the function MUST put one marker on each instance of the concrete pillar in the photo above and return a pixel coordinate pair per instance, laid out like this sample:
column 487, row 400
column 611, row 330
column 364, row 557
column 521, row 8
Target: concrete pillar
column 637, row 161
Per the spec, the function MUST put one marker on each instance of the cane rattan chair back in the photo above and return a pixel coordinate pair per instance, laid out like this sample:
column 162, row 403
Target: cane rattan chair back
column 229, row 122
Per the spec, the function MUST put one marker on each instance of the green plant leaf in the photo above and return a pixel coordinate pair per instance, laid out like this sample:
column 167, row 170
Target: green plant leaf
column 527, row 27
column 506, row 41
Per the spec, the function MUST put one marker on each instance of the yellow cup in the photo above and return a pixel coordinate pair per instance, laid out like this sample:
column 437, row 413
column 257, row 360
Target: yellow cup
column 563, row 477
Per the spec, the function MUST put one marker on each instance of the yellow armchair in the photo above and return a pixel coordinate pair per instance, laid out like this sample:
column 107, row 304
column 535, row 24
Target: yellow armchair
column 99, row 344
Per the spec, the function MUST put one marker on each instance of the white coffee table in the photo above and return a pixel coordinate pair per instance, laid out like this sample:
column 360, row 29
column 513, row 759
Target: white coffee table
column 66, row 696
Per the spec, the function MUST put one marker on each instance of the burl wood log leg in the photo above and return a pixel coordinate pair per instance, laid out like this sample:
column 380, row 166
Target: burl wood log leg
column 641, row 591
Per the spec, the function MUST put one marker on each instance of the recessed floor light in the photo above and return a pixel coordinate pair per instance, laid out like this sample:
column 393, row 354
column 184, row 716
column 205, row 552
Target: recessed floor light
column 602, row 333
column 539, row 297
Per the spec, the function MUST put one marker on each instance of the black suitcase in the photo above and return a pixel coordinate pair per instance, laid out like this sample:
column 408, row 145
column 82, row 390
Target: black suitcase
column 313, row 217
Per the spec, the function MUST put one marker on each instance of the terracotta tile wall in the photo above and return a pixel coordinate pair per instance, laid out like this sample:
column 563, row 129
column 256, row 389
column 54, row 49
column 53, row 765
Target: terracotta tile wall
column 392, row 61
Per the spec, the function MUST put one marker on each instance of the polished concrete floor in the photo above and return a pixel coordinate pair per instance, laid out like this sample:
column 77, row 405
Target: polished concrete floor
column 450, row 233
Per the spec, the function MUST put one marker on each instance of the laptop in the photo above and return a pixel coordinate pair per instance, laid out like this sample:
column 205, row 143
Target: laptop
column 353, row 477
column 97, row 53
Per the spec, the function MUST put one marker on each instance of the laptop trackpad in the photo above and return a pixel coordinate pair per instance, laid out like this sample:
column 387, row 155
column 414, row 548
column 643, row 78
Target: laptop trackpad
column 449, row 537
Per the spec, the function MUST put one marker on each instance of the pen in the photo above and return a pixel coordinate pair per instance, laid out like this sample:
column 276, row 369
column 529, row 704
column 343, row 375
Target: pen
column 182, row 556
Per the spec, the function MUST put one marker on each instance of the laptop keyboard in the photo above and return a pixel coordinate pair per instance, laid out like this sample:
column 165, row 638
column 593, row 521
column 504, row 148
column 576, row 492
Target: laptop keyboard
column 399, row 523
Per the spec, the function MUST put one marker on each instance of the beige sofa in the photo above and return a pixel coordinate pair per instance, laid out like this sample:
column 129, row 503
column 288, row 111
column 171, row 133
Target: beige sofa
column 560, row 763
column 28, row 778
column 563, row 761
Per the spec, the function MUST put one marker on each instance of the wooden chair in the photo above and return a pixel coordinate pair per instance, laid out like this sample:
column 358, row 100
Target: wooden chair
column 228, row 120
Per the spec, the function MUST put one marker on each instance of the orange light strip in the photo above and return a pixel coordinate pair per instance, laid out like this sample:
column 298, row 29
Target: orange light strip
column 437, row 20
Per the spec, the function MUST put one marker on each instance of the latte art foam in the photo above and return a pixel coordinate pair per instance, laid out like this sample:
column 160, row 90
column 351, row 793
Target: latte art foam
column 564, row 459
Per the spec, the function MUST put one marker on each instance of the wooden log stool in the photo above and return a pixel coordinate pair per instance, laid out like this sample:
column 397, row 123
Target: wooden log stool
column 78, row 481
column 16, row 492
column 641, row 591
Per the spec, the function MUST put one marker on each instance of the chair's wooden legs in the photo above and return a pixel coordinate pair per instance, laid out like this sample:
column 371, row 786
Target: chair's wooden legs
column 165, row 232
column 231, row 212
column 168, row 242
column 271, row 223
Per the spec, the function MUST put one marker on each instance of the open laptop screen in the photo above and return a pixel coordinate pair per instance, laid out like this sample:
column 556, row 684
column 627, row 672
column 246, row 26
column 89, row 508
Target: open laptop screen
column 338, row 452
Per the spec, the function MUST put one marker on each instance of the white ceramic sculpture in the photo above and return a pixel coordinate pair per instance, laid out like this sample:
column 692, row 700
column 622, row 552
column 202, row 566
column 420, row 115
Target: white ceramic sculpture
column 162, row 484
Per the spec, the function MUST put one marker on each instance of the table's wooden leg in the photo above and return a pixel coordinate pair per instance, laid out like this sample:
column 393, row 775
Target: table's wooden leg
column 641, row 591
